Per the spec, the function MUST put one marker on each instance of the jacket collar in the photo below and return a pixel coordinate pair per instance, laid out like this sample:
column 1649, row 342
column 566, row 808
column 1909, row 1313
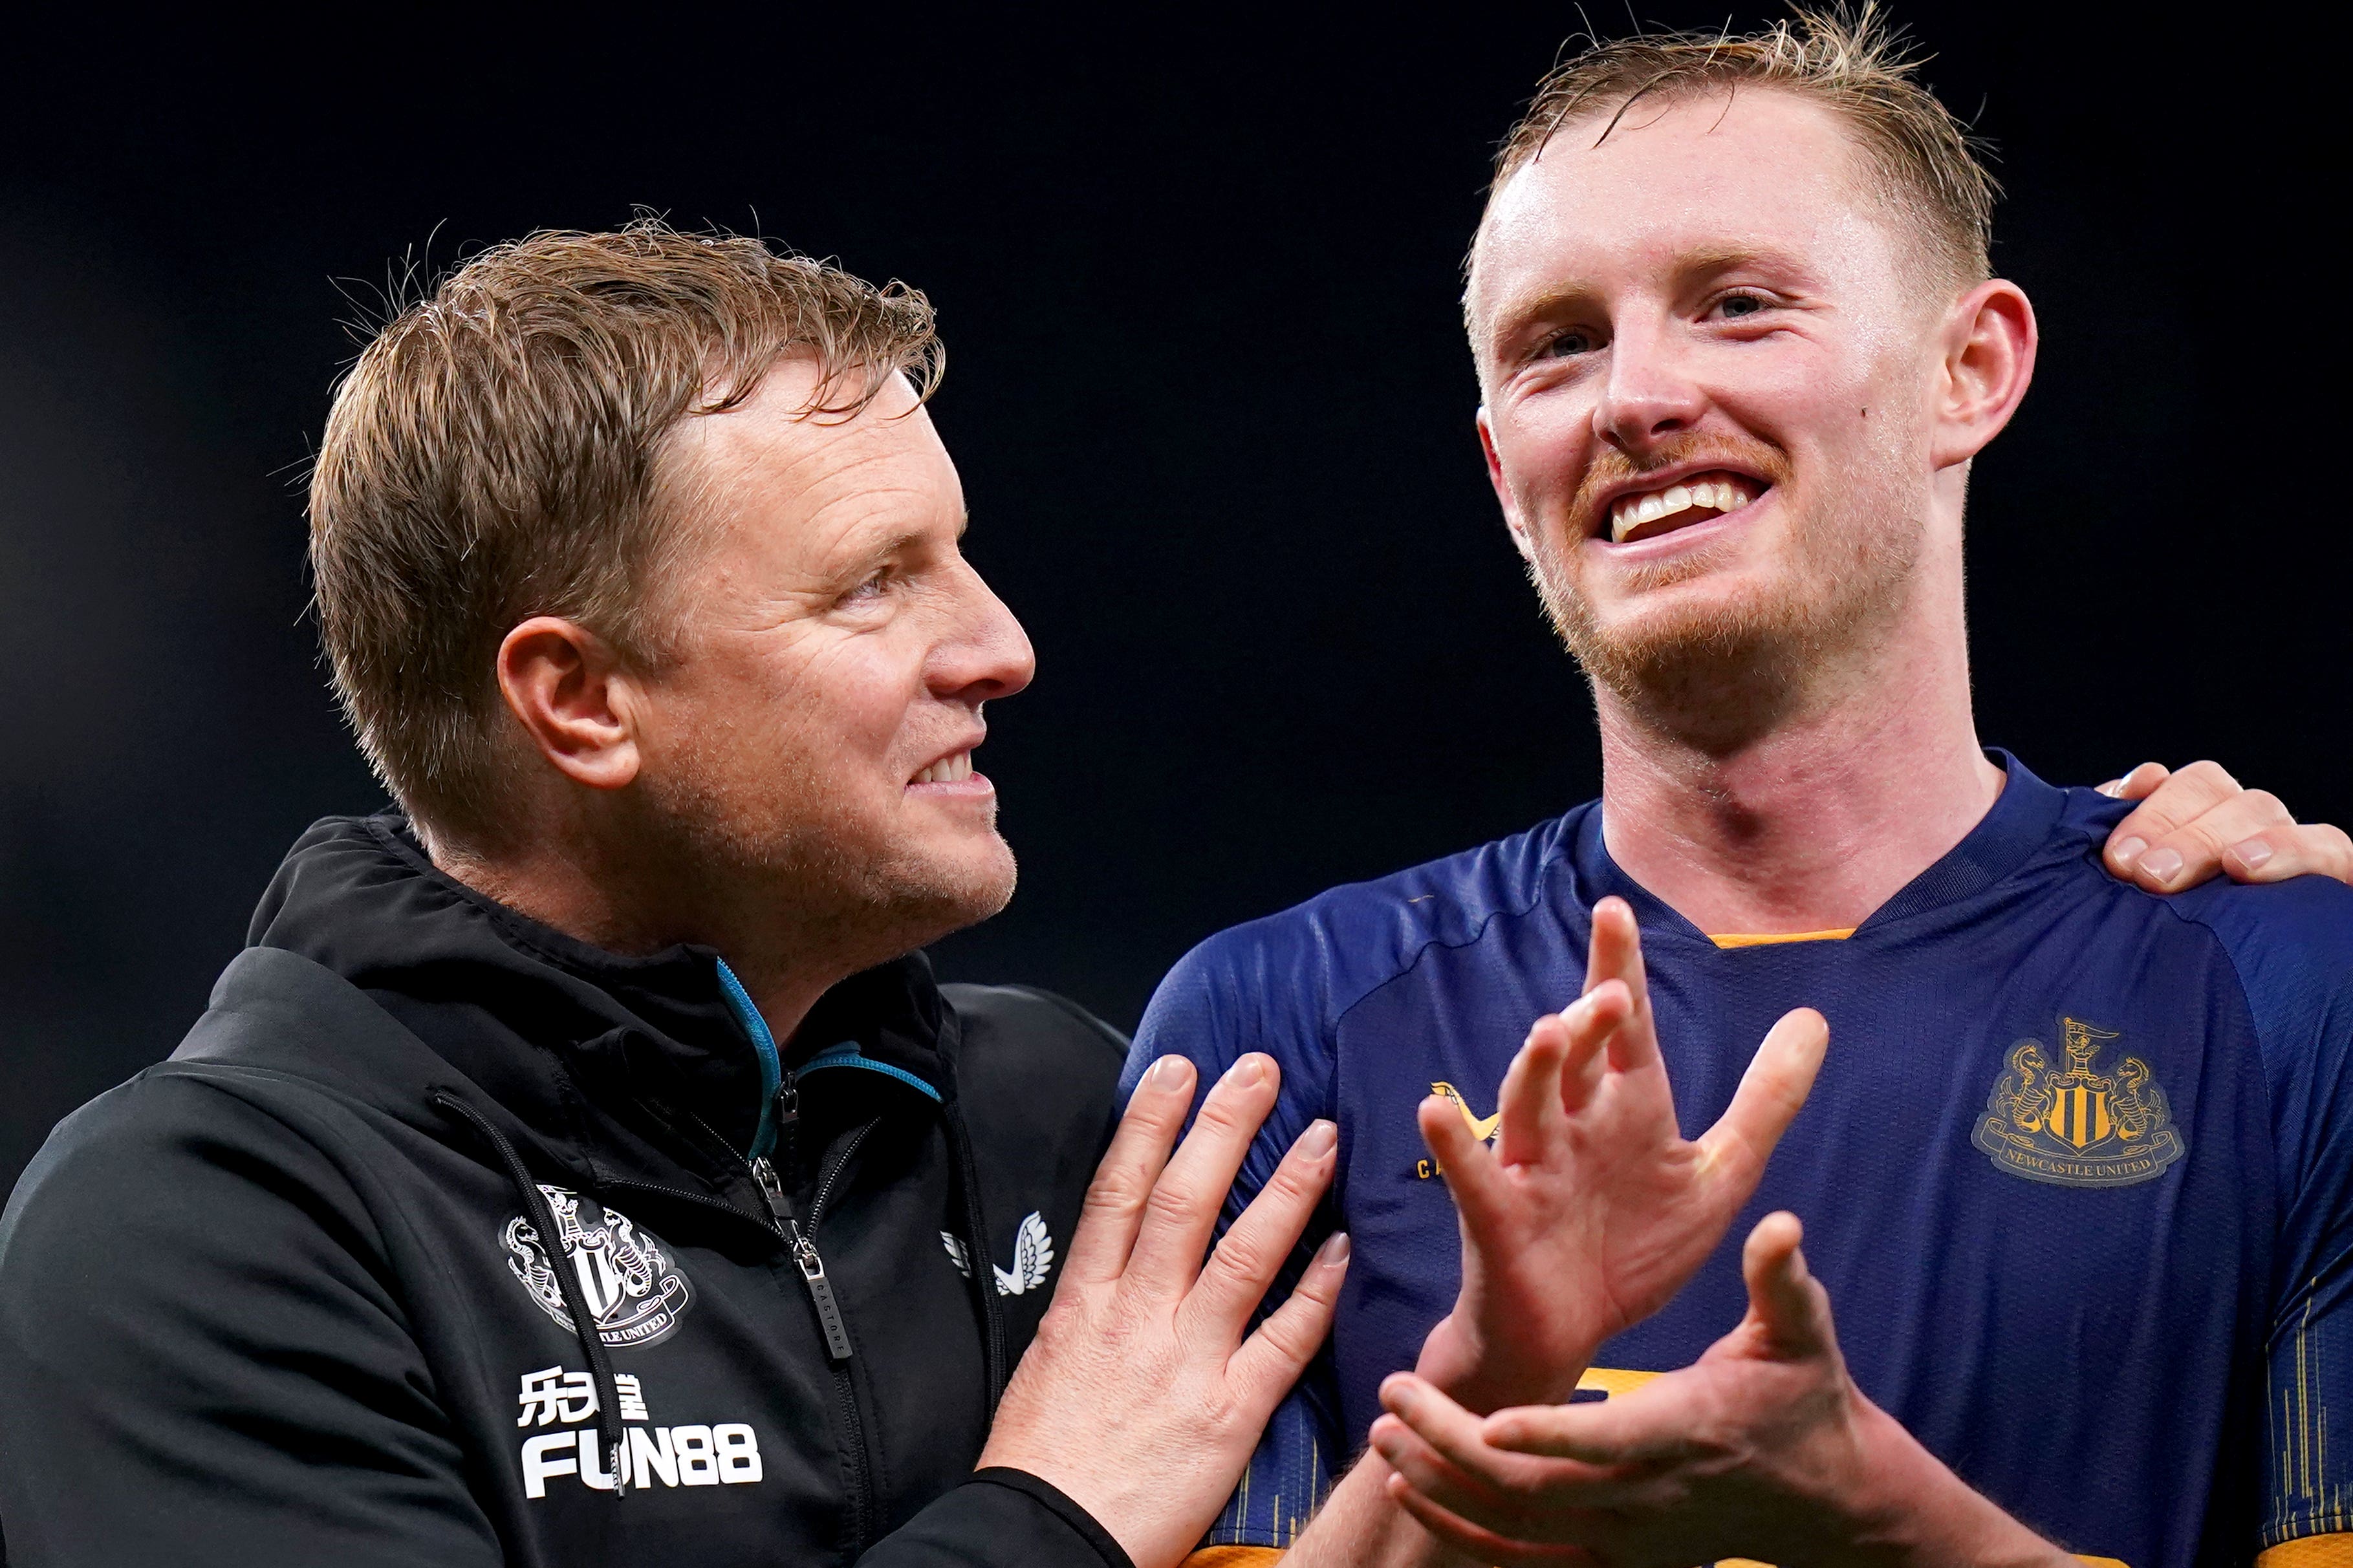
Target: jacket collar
column 598, row 1057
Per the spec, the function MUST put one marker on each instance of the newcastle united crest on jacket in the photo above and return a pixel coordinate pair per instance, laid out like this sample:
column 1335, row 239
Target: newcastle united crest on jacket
column 2075, row 1125
column 633, row 1291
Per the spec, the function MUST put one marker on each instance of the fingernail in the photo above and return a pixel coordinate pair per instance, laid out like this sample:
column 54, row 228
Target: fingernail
column 1333, row 1253
column 1246, row 1071
column 1167, row 1074
column 2162, row 864
column 2112, row 788
column 1319, row 1139
column 2124, row 851
column 2252, row 853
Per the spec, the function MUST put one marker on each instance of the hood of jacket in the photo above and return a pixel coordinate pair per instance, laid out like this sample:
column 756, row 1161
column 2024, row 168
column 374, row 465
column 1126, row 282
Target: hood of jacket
column 607, row 1066
column 442, row 1237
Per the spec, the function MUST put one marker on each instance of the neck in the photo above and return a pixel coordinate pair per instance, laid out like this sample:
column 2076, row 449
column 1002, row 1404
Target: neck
column 1813, row 825
column 631, row 906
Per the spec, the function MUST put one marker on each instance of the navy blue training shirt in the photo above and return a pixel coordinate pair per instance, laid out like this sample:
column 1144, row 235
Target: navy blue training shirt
column 2077, row 1171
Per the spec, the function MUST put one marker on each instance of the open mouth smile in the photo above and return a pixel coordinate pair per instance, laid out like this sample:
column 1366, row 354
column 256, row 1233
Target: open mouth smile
column 1694, row 499
column 953, row 768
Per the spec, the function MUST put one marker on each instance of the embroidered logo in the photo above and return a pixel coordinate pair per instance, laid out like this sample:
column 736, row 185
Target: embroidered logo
column 634, row 1292
column 1033, row 1258
column 2075, row 1125
column 1482, row 1128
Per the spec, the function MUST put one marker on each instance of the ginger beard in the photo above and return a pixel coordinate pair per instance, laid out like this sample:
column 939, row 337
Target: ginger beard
column 1721, row 668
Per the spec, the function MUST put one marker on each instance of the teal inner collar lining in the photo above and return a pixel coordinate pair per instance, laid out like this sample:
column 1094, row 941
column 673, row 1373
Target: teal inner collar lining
column 848, row 1055
column 764, row 1046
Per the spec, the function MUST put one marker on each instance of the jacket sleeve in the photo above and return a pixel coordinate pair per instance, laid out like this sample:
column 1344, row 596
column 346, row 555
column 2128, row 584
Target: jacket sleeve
column 999, row 1518
column 204, row 1362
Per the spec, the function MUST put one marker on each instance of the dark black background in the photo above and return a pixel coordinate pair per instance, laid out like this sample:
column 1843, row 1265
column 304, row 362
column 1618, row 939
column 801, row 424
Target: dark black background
column 1208, row 397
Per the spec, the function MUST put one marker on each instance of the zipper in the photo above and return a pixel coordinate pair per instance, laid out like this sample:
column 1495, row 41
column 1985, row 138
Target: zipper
column 828, row 1312
column 833, row 1172
column 803, row 1243
column 779, row 1130
column 805, row 1258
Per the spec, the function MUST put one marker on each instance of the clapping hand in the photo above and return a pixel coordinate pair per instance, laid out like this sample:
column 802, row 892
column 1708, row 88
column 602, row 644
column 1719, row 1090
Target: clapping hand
column 1592, row 1210
column 1764, row 1448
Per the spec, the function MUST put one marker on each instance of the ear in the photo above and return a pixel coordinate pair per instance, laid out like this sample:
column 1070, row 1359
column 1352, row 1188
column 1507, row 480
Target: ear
column 1988, row 359
column 1512, row 519
column 572, row 695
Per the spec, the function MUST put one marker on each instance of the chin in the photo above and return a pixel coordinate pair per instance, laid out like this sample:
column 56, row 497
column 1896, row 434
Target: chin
column 948, row 889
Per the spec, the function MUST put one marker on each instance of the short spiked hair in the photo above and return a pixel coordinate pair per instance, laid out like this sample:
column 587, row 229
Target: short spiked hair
column 493, row 455
column 1850, row 61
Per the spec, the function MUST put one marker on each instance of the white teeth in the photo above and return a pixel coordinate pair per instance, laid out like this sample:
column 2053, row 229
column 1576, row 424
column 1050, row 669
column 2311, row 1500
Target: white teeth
column 1717, row 495
column 947, row 770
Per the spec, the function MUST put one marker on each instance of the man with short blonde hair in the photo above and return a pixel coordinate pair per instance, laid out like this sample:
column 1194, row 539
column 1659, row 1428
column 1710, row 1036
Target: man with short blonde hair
column 2065, row 1148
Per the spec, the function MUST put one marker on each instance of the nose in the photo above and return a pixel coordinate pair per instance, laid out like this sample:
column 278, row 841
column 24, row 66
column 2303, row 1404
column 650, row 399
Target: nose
column 987, row 654
column 1649, row 395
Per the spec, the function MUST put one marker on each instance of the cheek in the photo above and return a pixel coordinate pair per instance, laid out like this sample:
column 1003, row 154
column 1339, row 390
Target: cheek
column 850, row 703
column 825, row 704
column 1542, row 446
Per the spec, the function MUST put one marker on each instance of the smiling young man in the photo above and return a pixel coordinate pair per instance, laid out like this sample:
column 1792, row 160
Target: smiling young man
column 2072, row 1167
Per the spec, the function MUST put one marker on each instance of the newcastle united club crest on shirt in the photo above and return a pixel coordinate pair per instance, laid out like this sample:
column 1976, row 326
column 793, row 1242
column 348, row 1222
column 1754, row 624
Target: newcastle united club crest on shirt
column 2067, row 1122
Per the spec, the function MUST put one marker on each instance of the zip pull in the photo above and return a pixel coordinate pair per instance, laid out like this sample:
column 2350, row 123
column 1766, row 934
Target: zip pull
column 829, row 1314
column 773, row 1190
column 806, row 1259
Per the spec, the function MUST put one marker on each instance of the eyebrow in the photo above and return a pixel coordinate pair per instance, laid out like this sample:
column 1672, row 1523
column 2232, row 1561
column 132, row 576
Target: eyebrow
column 1557, row 298
column 897, row 544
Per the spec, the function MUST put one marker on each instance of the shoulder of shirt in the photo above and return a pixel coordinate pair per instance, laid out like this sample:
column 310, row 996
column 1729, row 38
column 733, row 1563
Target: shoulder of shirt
column 2290, row 943
column 1297, row 971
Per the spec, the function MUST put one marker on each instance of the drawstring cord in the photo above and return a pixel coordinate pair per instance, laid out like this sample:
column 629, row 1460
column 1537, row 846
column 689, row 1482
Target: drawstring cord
column 541, row 1216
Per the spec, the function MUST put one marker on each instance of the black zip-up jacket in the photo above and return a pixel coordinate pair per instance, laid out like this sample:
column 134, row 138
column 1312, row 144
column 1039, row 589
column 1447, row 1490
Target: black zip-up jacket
column 447, row 1239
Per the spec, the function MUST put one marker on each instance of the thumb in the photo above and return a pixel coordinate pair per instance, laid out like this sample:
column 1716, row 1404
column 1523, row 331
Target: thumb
column 1771, row 1093
column 1785, row 1302
column 1472, row 1173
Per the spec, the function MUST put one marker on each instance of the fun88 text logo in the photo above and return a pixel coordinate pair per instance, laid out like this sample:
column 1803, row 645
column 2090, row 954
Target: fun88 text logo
column 724, row 1453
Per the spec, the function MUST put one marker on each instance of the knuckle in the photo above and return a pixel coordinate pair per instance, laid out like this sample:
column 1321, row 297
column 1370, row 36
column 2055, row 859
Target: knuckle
column 1172, row 1203
column 2210, row 776
column 1238, row 1259
column 2199, row 841
column 1290, row 1343
column 1111, row 1193
column 1293, row 1182
column 2263, row 803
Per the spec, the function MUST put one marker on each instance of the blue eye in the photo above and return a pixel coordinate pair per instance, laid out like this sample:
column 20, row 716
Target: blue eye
column 1576, row 341
column 1739, row 305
